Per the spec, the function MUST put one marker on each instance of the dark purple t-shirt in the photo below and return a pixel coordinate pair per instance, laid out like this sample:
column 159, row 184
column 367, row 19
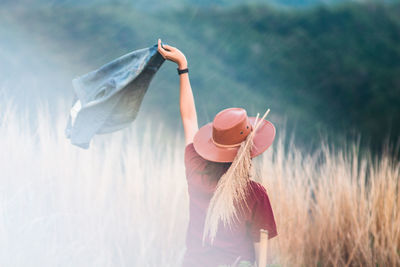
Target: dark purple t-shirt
column 230, row 243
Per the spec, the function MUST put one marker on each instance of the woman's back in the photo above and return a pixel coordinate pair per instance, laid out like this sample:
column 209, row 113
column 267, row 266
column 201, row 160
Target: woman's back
column 230, row 242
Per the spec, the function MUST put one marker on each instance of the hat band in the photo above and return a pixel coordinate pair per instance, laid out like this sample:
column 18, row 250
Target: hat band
column 225, row 146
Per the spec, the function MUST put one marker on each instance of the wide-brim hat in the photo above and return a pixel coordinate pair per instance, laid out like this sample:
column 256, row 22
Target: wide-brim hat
column 220, row 140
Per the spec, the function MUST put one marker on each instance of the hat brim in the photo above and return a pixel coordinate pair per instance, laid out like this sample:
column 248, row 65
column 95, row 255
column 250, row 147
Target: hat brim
column 205, row 147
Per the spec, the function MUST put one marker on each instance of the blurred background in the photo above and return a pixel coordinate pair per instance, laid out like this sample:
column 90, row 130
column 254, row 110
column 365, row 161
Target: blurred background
column 326, row 68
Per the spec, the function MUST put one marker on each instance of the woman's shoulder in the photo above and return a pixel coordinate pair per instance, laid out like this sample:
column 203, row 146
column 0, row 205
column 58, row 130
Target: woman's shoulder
column 190, row 151
column 192, row 158
column 257, row 191
column 257, row 187
column 189, row 147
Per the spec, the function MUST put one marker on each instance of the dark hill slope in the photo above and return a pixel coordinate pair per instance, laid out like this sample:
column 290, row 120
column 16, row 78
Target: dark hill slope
column 332, row 69
column 336, row 67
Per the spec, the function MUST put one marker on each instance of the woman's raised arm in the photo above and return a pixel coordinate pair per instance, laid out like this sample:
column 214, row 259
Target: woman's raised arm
column 186, row 100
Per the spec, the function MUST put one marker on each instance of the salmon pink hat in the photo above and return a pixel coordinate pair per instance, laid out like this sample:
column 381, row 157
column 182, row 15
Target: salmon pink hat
column 220, row 140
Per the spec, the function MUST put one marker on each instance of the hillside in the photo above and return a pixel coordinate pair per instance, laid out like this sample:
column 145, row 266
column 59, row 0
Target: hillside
column 157, row 5
column 327, row 69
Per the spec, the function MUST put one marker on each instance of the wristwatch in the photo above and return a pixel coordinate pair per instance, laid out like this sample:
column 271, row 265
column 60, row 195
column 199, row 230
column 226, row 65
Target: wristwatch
column 182, row 71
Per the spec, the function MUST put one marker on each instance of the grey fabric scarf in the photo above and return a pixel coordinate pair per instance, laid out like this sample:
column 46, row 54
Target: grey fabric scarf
column 108, row 99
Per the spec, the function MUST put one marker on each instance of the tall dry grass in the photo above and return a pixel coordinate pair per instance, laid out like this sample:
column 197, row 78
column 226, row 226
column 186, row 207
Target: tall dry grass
column 124, row 201
column 334, row 208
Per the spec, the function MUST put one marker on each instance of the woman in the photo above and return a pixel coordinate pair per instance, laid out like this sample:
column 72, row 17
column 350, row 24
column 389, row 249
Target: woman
column 227, row 209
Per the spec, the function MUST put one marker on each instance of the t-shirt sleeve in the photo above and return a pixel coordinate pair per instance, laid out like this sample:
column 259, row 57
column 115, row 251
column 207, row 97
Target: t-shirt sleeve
column 262, row 216
column 193, row 161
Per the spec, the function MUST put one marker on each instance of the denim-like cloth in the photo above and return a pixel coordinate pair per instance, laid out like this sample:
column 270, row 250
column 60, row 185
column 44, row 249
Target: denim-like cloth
column 108, row 99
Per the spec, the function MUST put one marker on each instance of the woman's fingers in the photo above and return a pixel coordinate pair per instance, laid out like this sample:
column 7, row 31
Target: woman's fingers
column 171, row 48
column 161, row 50
column 169, row 52
column 159, row 44
column 164, row 53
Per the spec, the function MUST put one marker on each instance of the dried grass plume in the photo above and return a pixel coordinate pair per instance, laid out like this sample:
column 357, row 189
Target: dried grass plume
column 232, row 188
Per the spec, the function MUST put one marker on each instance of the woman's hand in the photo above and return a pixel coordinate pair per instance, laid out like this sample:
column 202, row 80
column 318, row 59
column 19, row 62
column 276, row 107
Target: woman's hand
column 173, row 54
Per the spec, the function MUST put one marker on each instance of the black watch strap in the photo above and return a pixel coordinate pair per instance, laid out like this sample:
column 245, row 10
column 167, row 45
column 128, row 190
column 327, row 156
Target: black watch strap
column 182, row 71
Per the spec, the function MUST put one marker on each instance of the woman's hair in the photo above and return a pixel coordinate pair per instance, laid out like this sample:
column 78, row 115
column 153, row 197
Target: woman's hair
column 214, row 170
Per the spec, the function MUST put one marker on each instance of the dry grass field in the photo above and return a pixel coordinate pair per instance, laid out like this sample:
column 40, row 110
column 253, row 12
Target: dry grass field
column 123, row 202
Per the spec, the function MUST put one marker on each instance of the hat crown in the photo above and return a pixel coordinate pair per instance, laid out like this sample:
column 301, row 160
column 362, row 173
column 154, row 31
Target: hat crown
column 230, row 127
